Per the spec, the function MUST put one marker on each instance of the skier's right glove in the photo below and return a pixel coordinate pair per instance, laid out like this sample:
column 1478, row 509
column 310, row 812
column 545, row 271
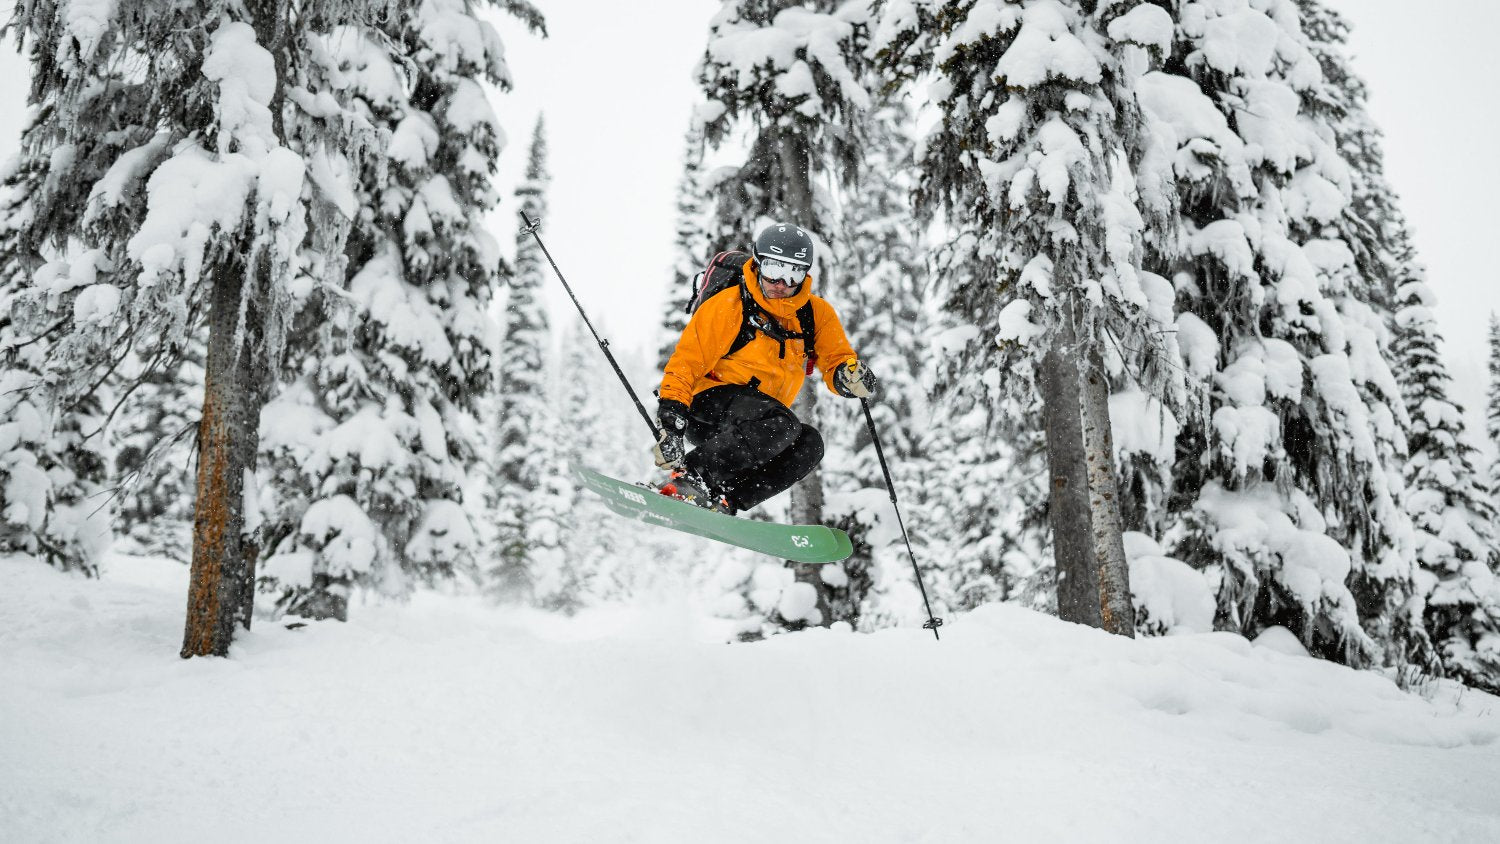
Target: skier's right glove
column 854, row 380
column 672, row 418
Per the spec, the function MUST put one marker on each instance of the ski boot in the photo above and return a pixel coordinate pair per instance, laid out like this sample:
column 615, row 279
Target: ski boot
column 687, row 486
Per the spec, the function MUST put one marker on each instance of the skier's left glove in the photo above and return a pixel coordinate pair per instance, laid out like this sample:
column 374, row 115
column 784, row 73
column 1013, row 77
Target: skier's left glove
column 671, row 417
column 854, row 380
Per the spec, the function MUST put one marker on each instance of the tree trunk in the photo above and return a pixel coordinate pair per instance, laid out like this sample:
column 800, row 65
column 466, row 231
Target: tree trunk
column 1068, row 505
column 1093, row 583
column 221, row 591
column 807, row 493
column 807, row 507
column 1115, row 608
column 796, row 178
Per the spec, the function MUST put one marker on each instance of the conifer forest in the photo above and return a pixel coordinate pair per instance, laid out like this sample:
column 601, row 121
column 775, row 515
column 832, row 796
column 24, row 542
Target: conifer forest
column 1168, row 451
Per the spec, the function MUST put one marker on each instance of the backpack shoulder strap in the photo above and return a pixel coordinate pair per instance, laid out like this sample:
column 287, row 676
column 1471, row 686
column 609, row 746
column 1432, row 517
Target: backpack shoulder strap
column 808, row 325
column 748, row 308
column 806, row 322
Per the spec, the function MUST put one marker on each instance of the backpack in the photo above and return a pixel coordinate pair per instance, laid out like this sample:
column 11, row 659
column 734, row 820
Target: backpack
column 725, row 270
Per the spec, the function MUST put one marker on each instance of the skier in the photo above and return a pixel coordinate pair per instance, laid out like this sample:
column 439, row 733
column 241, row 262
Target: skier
column 735, row 406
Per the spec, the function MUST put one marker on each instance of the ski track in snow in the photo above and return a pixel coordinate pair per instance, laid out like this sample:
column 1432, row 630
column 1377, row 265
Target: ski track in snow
column 447, row 720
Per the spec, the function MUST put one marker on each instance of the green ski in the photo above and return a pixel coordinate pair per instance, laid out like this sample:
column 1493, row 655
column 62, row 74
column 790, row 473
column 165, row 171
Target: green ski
column 800, row 543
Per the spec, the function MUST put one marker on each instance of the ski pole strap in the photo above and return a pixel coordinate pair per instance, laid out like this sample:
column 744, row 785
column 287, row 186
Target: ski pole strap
column 531, row 229
column 933, row 622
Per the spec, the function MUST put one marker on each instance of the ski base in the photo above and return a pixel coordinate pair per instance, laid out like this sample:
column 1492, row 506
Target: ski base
column 799, row 543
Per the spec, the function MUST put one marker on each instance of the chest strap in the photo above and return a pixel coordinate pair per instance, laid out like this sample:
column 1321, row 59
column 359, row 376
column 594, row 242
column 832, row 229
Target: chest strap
column 758, row 320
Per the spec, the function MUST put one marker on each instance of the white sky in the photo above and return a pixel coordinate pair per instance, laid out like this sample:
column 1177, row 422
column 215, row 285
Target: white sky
column 615, row 81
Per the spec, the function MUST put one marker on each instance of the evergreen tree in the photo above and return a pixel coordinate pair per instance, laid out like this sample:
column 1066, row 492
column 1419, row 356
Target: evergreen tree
column 692, row 249
column 1279, row 466
column 985, row 512
column 885, row 319
column 1031, row 163
column 372, row 445
column 23, row 424
column 168, row 169
column 52, row 469
column 1366, row 289
column 152, row 460
column 1452, row 508
column 1492, row 411
column 526, row 497
column 785, row 72
column 213, row 154
column 600, row 562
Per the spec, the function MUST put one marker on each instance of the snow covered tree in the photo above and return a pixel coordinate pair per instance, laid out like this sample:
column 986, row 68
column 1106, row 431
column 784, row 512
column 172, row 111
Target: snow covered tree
column 50, row 472
column 784, row 71
column 884, row 316
column 152, row 456
column 599, row 561
column 1492, row 408
column 212, row 151
column 691, row 247
column 372, row 445
column 1454, row 514
column 186, row 102
column 176, row 124
column 983, row 523
column 1032, row 162
column 526, row 475
column 1367, row 288
column 1281, row 489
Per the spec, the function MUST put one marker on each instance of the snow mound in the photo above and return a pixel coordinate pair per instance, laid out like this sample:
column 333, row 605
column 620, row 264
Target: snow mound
column 449, row 719
column 1170, row 597
column 1281, row 640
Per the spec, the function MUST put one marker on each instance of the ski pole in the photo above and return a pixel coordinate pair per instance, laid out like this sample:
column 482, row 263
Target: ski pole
column 531, row 229
column 933, row 622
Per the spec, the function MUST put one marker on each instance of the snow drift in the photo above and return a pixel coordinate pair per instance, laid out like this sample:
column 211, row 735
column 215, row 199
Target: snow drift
column 447, row 719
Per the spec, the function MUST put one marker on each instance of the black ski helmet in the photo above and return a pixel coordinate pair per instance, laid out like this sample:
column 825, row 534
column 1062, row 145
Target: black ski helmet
column 786, row 242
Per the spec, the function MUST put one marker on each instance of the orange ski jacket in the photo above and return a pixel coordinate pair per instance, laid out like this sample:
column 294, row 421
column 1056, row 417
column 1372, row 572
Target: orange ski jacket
column 701, row 359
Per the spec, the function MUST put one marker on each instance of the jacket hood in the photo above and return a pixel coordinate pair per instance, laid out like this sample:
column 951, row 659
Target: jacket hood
column 783, row 309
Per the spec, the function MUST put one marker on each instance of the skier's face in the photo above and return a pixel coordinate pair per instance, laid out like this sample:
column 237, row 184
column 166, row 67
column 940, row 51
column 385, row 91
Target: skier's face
column 778, row 289
column 780, row 279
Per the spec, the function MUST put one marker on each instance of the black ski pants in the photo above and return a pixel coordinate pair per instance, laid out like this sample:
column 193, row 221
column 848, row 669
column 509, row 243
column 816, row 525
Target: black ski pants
column 749, row 445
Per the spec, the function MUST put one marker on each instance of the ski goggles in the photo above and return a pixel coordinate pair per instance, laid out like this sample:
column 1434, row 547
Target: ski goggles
column 786, row 272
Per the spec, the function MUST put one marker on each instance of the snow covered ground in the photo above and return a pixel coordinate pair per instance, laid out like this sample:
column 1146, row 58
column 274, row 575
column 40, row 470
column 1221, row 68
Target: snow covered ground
column 445, row 720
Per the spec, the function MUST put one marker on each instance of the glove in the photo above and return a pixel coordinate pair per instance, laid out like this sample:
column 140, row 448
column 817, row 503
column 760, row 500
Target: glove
column 668, row 450
column 854, row 380
column 671, row 417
